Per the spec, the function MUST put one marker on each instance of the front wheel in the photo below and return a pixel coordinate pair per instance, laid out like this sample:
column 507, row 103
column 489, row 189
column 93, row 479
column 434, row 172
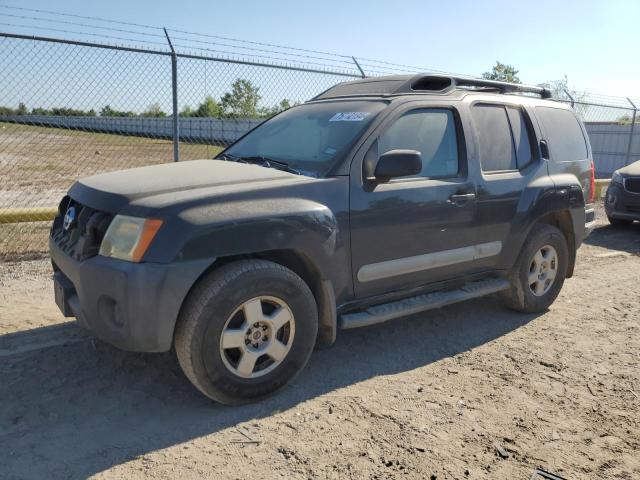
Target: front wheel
column 246, row 330
column 539, row 273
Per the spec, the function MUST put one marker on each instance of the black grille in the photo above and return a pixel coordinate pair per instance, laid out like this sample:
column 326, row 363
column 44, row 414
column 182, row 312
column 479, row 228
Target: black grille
column 84, row 230
column 632, row 184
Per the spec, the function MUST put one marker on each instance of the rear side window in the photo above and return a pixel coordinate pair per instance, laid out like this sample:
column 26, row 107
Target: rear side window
column 563, row 134
column 432, row 132
column 520, row 136
column 497, row 151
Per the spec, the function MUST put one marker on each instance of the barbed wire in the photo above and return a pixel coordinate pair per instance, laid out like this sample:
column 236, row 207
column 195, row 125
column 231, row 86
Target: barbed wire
column 350, row 62
column 233, row 48
column 267, row 57
column 99, row 35
column 333, row 57
column 158, row 35
column 66, row 22
column 64, row 14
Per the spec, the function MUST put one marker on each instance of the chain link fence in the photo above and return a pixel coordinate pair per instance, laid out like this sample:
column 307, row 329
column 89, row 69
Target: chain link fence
column 73, row 109
column 69, row 109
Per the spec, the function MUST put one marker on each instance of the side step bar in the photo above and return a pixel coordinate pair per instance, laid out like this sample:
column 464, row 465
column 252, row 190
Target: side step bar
column 420, row 303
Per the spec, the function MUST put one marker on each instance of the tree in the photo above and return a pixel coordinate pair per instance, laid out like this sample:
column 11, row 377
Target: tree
column 6, row 111
column 153, row 110
column 186, row 111
column 107, row 111
column 22, row 109
column 40, row 111
column 503, row 73
column 208, row 108
column 67, row 112
column 626, row 119
column 560, row 90
column 268, row 112
column 242, row 101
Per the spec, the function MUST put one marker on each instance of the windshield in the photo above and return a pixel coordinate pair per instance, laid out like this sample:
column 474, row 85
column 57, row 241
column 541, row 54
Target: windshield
column 310, row 137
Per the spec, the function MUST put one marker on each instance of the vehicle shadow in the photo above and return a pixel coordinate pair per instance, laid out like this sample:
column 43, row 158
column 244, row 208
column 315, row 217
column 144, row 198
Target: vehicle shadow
column 626, row 239
column 78, row 409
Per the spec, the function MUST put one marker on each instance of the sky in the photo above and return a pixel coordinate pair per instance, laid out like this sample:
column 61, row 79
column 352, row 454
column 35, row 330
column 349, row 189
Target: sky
column 592, row 42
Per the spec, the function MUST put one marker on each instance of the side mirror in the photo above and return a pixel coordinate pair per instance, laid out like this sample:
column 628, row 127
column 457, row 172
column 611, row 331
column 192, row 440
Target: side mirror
column 544, row 149
column 398, row 163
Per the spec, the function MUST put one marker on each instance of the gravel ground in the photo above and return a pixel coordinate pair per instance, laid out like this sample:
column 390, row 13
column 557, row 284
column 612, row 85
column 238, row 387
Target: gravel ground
column 469, row 391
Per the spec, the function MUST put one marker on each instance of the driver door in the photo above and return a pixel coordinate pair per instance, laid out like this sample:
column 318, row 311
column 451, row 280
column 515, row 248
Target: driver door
column 411, row 231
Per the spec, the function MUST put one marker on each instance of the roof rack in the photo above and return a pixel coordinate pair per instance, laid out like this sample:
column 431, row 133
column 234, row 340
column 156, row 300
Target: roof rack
column 429, row 82
column 424, row 82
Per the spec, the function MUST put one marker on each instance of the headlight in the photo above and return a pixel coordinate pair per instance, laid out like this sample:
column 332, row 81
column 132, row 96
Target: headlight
column 128, row 238
column 616, row 178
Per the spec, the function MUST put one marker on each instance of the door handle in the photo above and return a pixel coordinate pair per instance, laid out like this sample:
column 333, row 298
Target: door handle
column 461, row 198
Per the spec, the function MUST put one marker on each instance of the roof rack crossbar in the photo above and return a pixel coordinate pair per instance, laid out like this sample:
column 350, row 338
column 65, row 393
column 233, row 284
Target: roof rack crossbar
column 504, row 87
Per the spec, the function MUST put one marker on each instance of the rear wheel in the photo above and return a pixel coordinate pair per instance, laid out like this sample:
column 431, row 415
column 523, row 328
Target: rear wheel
column 246, row 330
column 619, row 222
column 539, row 273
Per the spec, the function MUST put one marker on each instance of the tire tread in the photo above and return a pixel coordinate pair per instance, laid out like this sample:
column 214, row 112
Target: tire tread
column 515, row 296
column 190, row 318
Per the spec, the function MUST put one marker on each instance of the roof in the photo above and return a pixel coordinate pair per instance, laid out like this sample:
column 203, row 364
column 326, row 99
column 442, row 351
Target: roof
column 424, row 83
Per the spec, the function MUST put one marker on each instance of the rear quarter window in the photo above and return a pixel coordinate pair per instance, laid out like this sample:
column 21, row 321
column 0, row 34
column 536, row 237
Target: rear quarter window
column 563, row 134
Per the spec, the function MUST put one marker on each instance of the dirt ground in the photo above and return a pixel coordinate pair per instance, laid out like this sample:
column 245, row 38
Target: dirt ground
column 446, row 394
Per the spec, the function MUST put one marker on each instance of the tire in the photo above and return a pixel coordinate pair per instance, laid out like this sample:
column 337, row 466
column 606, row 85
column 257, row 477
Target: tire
column 544, row 241
column 619, row 222
column 234, row 299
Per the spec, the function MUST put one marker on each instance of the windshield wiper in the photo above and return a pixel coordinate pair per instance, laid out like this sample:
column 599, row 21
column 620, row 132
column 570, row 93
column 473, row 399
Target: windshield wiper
column 269, row 163
column 229, row 158
column 260, row 160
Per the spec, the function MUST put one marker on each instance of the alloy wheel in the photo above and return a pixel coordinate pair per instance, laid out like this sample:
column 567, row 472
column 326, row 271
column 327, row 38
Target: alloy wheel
column 257, row 337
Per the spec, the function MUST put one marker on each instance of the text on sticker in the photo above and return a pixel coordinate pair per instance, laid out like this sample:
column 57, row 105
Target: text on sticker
column 349, row 117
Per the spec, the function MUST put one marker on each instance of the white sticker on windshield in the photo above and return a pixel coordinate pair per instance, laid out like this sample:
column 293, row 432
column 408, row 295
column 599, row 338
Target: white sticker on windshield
column 349, row 117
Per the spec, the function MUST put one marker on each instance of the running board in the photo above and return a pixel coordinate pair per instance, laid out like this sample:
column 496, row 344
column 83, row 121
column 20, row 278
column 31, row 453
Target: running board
column 421, row 303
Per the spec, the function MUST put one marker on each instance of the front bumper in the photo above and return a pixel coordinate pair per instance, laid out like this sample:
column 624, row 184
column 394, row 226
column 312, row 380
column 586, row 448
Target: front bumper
column 621, row 204
column 133, row 306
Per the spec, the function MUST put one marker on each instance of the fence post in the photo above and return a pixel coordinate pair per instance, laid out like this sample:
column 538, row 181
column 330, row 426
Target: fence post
column 566, row 92
column 359, row 67
column 633, row 126
column 174, row 96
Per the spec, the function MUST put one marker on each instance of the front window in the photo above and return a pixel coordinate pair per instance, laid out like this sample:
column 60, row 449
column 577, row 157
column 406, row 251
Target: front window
column 310, row 138
column 430, row 131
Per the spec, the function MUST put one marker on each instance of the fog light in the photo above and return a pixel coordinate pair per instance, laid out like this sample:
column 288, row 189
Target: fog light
column 109, row 312
column 611, row 198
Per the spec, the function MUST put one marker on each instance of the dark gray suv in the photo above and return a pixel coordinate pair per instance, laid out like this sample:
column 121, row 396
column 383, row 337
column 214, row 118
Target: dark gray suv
column 377, row 199
column 622, row 202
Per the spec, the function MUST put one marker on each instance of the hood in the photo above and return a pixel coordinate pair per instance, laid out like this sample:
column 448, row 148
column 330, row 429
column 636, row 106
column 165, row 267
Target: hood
column 631, row 169
column 159, row 185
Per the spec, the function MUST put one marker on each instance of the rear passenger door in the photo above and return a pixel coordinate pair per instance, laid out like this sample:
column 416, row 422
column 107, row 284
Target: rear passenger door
column 508, row 157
